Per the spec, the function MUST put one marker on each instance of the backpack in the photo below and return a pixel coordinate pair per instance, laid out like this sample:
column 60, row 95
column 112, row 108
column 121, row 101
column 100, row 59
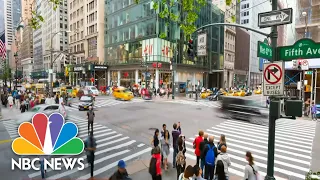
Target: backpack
column 180, row 159
column 152, row 167
column 210, row 156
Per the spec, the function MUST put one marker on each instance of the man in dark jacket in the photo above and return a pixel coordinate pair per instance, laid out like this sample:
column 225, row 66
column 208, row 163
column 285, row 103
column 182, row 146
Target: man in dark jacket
column 209, row 168
column 121, row 173
column 202, row 155
column 175, row 136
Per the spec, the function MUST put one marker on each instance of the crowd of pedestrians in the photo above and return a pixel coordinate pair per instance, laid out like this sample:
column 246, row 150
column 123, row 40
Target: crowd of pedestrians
column 212, row 160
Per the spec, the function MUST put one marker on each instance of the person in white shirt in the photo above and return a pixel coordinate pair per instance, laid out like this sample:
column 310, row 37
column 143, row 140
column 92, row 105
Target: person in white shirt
column 250, row 170
column 60, row 99
column 62, row 110
column 10, row 101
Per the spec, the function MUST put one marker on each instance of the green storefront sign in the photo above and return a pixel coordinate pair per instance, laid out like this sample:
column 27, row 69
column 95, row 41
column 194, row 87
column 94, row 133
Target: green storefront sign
column 302, row 49
column 264, row 50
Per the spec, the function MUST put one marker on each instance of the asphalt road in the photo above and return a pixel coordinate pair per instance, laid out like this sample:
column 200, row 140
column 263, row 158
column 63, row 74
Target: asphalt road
column 124, row 131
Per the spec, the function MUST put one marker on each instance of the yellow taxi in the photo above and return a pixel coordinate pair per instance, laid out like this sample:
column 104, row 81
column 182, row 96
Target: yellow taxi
column 258, row 91
column 122, row 93
column 241, row 93
column 205, row 94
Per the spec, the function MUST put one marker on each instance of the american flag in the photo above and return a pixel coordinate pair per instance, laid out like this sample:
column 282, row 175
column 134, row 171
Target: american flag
column 3, row 50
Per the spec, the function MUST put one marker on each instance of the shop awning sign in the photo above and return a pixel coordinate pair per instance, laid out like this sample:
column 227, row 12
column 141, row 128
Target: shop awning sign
column 97, row 67
column 273, row 75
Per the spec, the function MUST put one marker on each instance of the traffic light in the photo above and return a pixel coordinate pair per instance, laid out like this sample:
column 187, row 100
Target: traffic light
column 190, row 48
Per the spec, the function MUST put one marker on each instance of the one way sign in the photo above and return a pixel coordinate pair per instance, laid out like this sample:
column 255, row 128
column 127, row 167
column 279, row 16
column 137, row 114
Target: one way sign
column 273, row 79
column 275, row 18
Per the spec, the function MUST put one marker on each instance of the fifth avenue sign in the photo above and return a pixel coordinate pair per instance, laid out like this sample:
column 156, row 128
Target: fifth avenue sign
column 275, row 18
column 302, row 49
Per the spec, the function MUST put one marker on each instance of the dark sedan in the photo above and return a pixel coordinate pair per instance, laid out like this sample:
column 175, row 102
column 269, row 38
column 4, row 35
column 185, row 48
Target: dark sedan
column 86, row 102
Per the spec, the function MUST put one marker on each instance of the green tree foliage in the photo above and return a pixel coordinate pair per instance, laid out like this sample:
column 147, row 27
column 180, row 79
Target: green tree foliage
column 186, row 20
column 6, row 72
column 37, row 18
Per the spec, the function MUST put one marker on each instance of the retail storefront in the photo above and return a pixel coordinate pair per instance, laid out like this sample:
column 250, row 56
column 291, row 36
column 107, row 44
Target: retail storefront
column 100, row 75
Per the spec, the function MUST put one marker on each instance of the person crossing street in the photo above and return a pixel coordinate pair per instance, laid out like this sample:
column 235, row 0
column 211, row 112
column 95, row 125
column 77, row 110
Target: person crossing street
column 90, row 147
column 90, row 117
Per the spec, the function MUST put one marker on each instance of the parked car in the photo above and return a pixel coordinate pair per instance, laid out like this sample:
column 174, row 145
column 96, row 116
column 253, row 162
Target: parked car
column 85, row 102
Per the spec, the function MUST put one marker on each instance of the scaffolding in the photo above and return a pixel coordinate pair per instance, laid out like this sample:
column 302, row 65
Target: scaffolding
column 311, row 21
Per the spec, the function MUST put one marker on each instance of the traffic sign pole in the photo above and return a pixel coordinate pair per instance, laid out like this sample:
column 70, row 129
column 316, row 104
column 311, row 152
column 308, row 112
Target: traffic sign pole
column 273, row 104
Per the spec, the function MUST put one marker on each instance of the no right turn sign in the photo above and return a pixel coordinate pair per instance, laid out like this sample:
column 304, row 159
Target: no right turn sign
column 273, row 79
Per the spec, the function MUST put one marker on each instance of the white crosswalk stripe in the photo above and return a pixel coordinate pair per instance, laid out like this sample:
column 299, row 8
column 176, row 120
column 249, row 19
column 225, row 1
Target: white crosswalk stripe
column 197, row 103
column 105, row 102
column 293, row 145
column 111, row 147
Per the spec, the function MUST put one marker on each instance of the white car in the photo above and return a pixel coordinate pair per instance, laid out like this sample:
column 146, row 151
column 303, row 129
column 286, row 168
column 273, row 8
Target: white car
column 43, row 108
column 94, row 90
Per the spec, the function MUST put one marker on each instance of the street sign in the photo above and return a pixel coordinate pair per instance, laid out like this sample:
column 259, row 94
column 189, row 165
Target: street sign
column 273, row 77
column 202, row 44
column 302, row 49
column 261, row 62
column 275, row 18
column 264, row 50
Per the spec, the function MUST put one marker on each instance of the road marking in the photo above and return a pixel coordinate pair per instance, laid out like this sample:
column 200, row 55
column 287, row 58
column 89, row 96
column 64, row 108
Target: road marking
column 5, row 141
column 140, row 145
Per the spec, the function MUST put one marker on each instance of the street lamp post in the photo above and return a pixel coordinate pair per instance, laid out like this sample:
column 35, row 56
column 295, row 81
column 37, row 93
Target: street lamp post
column 305, row 15
column 146, row 59
column 51, row 60
column 16, row 61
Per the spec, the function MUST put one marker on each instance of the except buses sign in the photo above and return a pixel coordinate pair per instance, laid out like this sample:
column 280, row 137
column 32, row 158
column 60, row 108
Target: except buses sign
column 302, row 49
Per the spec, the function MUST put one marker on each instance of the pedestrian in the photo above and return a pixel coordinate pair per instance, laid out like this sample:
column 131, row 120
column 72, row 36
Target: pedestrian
column 90, row 117
column 42, row 170
column 187, row 174
column 155, row 140
column 202, row 155
column 180, row 158
column 250, row 170
column 155, row 164
column 61, row 98
column 219, row 172
column 164, row 129
column 165, row 146
column 224, row 157
column 121, row 173
column 179, row 127
column 90, row 148
column 197, row 173
column 62, row 110
column 56, row 99
column 196, row 145
column 211, row 153
column 175, row 135
column 17, row 100
column 10, row 101
column 314, row 111
column 23, row 107
column 222, row 142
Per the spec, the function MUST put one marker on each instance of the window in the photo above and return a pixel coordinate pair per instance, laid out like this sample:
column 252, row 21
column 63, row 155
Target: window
column 78, row 47
column 81, row 23
column 61, row 25
column 71, row 16
column 71, row 5
column 82, row 47
column 61, row 48
column 81, row 34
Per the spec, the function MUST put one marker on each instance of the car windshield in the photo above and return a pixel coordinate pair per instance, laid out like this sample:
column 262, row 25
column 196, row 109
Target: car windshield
column 93, row 88
column 35, row 109
column 85, row 98
column 126, row 90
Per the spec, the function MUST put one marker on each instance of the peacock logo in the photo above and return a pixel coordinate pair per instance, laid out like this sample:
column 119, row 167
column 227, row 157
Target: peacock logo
column 47, row 136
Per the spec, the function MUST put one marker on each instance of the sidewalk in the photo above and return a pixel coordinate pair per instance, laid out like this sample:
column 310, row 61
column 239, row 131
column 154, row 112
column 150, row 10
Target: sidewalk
column 140, row 170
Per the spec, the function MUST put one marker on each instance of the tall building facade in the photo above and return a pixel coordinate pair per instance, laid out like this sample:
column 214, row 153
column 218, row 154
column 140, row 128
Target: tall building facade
column 8, row 23
column 86, row 42
column 26, row 10
column 38, row 69
column 52, row 36
column 16, row 13
column 132, row 38
column 311, row 21
column 229, row 41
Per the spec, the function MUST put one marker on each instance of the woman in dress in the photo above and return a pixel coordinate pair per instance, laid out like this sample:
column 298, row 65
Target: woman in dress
column 165, row 146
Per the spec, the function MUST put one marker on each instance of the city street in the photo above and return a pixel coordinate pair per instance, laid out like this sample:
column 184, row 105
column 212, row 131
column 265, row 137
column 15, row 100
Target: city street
column 124, row 130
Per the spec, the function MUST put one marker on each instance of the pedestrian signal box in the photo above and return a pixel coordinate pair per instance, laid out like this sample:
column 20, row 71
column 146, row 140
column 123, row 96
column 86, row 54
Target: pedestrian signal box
column 293, row 108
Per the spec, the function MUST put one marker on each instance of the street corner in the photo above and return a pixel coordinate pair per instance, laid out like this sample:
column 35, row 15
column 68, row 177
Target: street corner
column 137, row 166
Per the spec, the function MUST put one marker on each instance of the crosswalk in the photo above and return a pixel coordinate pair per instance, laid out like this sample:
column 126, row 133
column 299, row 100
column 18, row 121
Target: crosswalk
column 106, row 102
column 112, row 147
column 293, row 146
column 202, row 103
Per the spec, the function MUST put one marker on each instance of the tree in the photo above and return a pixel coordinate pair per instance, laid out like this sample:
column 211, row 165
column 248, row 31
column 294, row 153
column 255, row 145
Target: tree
column 37, row 18
column 6, row 72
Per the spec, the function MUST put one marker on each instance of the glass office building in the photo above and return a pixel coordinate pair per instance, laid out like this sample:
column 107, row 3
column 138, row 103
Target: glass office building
column 132, row 37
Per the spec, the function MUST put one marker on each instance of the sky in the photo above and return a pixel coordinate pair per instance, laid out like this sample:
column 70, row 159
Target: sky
column 1, row 15
column 291, row 27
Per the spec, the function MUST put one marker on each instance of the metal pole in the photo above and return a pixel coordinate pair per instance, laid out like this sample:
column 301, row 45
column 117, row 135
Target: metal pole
column 174, row 63
column 312, row 91
column 302, row 84
column 315, row 87
column 51, row 65
column 16, row 88
column 272, row 117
